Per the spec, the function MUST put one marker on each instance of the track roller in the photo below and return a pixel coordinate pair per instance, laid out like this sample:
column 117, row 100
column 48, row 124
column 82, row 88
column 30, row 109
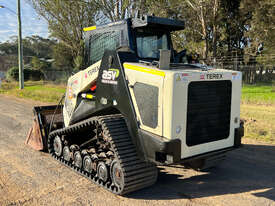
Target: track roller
column 57, row 145
column 78, row 159
column 102, row 171
column 117, row 175
column 66, row 153
column 87, row 164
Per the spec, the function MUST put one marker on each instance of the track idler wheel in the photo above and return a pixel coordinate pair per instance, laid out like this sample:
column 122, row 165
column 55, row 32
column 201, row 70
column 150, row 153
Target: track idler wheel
column 78, row 159
column 57, row 146
column 102, row 171
column 66, row 153
column 87, row 164
column 117, row 175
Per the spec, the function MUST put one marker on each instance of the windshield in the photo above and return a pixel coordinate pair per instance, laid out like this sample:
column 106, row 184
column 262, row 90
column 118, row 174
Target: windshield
column 149, row 44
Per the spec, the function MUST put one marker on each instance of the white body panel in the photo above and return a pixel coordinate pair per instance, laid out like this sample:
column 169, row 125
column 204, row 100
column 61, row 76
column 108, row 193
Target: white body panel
column 150, row 79
column 173, row 97
column 77, row 83
column 176, row 114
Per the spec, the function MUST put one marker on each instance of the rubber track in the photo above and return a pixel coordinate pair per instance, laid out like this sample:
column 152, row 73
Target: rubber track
column 137, row 173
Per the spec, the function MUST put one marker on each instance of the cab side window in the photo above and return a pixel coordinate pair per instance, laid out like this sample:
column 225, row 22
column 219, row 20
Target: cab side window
column 99, row 42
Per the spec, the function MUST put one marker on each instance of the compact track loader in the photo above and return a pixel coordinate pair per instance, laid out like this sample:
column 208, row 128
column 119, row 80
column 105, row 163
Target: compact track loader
column 139, row 104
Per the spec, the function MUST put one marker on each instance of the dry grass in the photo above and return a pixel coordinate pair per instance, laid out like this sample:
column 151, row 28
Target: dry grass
column 258, row 111
column 259, row 122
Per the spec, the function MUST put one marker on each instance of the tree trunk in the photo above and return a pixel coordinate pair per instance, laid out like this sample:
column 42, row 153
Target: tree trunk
column 204, row 32
column 215, row 15
column 117, row 10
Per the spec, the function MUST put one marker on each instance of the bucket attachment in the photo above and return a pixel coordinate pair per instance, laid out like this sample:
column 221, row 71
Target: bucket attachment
column 38, row 134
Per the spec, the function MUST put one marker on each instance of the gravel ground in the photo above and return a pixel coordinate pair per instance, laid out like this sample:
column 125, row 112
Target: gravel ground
column 28, row 177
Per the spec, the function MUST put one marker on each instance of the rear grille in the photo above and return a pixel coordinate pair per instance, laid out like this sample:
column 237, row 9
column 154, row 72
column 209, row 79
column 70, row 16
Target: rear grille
column 208, row 111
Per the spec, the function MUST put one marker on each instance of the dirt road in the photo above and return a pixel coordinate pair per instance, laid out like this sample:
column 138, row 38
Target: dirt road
column 28, row 177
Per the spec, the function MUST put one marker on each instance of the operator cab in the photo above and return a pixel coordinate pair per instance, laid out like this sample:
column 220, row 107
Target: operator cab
column 146, row 36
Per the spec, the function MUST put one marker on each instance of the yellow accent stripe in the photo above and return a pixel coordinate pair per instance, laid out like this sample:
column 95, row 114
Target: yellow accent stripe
column 144, row 69
column 89, row 28
column 89, row 96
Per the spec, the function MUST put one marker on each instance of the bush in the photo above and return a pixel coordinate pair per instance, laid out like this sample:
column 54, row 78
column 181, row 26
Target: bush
column 29, row 74
column 36, row 75
column 12, row 73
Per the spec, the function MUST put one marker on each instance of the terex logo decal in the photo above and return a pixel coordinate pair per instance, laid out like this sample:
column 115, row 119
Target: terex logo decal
column 214, row 76
column 110, row 76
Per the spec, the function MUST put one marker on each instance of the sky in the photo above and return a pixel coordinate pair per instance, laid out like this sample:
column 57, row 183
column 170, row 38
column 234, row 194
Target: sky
column 31, row 23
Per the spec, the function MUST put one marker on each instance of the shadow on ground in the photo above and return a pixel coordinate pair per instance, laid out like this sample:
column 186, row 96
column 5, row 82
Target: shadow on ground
column 248, row 169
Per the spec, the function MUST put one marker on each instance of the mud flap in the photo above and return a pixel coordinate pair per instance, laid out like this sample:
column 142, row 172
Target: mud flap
column 38, row 134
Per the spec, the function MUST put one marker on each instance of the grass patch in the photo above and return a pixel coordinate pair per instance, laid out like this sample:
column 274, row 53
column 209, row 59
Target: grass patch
column 262, row 94
column 41, row 91
column 259, row 122
column 258, row 111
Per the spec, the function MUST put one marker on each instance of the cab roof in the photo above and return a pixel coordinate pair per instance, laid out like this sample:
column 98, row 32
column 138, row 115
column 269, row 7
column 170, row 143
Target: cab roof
column 146, row 21
column 158, row 22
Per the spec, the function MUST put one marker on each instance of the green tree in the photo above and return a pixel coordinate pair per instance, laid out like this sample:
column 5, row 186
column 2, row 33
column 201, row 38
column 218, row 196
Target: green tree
column 62, row 59
column 202, row 22
column 66, row 19
column 41, row 47
column 114, row 10
column 8, row 48
column 32, row 46
column 261, row 28
column 39, row 64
